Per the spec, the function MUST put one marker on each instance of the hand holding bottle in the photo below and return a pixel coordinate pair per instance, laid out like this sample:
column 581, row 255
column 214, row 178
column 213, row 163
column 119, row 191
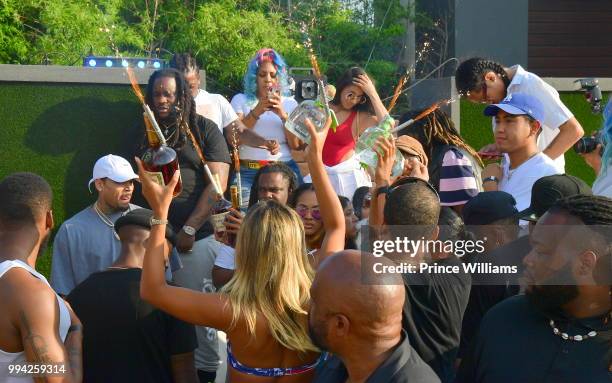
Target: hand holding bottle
column 159, row 197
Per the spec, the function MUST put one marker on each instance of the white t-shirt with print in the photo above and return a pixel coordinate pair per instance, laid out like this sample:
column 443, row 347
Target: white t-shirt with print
column 519, row 181
column 269, row 126
column 555, row 112
column 216, row 108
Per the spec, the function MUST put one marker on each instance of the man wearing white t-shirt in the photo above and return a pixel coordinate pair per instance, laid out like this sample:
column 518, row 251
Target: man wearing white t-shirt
column 517, row 125
column 485, row 81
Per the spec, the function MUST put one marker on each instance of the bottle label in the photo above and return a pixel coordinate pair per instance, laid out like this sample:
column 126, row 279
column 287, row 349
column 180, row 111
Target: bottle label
column 157, row 177
column 217, row 221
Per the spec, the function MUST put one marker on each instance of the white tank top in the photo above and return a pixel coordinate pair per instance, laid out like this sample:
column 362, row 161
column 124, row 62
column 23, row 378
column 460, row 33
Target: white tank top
column 7, row 358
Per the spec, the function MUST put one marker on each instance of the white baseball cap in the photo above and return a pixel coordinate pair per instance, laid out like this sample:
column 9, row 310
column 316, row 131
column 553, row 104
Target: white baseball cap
column 114, row 167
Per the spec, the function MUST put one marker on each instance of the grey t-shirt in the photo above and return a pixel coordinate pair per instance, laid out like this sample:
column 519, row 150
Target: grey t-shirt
column 84, row 244
column 197, row 275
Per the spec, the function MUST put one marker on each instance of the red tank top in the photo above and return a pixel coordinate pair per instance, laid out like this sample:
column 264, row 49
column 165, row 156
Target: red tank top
column 340, row 142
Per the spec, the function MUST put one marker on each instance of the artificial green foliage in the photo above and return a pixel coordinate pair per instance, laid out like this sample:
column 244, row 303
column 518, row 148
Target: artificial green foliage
column 58, row 132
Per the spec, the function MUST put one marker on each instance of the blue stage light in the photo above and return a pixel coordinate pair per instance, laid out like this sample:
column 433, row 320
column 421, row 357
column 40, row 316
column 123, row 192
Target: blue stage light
column 92, row 62
column 109, row 63
column 141, row 64
column 156, row 65
column 124, row 63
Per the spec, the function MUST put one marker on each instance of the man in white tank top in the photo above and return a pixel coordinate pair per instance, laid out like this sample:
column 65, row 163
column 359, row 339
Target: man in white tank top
column 36, row 326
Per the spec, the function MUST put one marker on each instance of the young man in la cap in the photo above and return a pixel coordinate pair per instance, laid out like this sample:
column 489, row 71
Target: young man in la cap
column 126, row 339
column 518, row 123
column 87, row 242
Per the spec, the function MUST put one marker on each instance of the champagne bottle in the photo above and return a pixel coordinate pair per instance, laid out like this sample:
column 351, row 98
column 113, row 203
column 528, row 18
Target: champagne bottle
column 220, row 209
column 231, row 237
column 159, row 160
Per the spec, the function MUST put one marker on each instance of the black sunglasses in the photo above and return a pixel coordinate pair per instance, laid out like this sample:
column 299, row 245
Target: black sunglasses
column 412, row 180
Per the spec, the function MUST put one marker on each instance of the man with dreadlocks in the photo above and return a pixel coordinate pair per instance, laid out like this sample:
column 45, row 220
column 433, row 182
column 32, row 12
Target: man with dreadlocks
column 217, row 108
column 561, row 329
column 454, row 167
column 197, row 140
column 488, row 82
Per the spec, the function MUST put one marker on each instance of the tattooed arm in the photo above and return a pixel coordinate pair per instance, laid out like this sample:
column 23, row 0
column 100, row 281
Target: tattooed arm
column 37, row 318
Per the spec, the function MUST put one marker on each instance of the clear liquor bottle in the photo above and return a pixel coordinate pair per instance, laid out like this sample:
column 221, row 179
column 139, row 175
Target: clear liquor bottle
column 364, row 149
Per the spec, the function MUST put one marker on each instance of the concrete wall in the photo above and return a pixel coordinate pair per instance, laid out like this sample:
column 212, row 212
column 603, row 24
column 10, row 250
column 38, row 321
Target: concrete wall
column 71, row 74
column 496, row 29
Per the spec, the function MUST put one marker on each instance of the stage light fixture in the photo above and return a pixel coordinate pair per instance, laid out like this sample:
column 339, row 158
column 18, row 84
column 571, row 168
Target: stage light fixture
column 125, row 62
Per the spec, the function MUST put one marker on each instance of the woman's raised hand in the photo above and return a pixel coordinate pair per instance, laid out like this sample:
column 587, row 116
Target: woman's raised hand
column 364, row 82
column 314, row 150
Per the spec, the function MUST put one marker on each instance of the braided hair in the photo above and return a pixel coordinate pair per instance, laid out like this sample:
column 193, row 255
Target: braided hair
column 185, row 63
column 596, row 212
column 469, row 75
column 183, row 111
column 276, row 167
column 435, row 129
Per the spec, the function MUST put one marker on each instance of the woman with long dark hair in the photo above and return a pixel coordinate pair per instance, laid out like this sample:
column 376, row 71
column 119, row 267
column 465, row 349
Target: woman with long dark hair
column 358, row 107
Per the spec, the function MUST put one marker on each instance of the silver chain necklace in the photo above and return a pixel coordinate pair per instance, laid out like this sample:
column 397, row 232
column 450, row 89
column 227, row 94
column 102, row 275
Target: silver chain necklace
column 107, row 221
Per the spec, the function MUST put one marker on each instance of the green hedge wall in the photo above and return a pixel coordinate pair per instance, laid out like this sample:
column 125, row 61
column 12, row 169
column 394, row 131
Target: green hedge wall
column 59, row 130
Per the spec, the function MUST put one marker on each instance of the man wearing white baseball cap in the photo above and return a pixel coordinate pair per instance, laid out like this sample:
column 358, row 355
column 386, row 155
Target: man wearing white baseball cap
column 87, row 242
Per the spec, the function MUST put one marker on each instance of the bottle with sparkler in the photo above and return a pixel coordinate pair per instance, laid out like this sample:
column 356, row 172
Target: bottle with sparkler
column 316, row 110
column 159, row 160
column 365, row 152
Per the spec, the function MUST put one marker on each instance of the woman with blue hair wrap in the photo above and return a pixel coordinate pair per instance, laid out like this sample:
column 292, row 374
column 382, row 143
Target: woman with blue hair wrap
column 603, row 165
column 264, row 107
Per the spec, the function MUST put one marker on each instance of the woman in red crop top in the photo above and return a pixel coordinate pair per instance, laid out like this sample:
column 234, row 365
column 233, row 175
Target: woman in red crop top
column 358, row 107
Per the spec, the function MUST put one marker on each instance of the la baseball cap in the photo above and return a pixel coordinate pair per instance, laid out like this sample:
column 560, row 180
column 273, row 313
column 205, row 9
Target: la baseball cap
column 114, row 167
column 518, row 103
column 547, row 190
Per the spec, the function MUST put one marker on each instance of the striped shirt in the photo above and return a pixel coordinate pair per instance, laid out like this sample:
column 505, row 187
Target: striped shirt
column 457, row 179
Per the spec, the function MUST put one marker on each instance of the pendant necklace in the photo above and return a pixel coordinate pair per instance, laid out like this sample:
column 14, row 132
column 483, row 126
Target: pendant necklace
column 107, row 221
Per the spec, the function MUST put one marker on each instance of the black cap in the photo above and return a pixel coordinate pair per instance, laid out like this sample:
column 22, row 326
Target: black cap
column 547, row 190
column 488, row 207
column 142, row 218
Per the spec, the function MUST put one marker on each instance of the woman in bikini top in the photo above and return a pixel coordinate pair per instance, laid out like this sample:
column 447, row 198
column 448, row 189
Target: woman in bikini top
column 264, row 307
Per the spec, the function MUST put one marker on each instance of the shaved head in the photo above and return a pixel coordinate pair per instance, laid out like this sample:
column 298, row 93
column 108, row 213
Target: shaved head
column 344, row 307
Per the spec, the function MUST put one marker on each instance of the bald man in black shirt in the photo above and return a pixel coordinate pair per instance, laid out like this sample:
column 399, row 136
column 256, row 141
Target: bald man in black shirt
column 362, row 325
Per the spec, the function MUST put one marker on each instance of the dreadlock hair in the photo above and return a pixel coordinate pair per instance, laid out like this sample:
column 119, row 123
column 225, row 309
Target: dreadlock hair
column 469, row 75
column 185, row 63
column 595, row 212
column 183, row 111
column 276, row 167
column 347, row 79
column 435, row 129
